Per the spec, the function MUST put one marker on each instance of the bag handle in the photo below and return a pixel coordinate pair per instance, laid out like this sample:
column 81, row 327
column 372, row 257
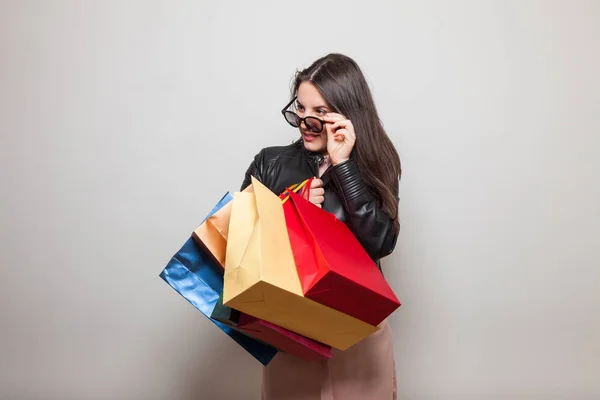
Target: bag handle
column 304, row 186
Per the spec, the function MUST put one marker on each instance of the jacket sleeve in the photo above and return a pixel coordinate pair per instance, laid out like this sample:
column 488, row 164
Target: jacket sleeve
column 371, row 226
column 255, row 169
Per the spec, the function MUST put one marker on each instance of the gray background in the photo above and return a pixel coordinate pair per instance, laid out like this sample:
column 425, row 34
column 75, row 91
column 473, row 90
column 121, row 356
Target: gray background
column 122, row 123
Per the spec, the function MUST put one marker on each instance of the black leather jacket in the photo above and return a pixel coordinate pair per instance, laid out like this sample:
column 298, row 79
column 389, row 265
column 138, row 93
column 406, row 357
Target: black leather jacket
column 346, row 194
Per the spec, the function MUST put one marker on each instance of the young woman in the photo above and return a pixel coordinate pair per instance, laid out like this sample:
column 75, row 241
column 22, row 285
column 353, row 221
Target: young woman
column 344, row 145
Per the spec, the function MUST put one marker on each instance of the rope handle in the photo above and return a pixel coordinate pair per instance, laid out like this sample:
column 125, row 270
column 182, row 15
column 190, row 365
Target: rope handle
column 304, row 186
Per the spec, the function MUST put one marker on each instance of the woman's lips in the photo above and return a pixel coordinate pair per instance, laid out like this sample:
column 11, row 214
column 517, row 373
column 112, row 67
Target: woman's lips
column 309, row 137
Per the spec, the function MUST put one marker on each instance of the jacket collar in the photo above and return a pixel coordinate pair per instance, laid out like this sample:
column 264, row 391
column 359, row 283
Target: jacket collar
column 312, row 156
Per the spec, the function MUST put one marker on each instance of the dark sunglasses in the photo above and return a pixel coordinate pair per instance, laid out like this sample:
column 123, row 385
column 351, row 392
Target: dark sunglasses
column 314, row 124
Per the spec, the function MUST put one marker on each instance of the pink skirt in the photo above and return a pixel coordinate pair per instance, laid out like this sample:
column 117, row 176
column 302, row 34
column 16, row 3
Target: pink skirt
column 364, row 371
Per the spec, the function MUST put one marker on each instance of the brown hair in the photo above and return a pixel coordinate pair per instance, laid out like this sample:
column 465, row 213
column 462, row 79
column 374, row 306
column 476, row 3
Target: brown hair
column 343, row 85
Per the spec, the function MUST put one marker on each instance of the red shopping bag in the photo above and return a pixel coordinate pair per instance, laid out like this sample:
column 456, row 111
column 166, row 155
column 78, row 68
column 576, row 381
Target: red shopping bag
column 283, row 339
column 333, row 267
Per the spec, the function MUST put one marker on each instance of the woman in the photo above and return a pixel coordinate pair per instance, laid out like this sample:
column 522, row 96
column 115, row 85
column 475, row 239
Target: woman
column 343, row 145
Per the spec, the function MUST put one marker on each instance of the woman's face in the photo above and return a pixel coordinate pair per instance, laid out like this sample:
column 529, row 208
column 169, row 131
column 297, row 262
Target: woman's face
column 311, row 103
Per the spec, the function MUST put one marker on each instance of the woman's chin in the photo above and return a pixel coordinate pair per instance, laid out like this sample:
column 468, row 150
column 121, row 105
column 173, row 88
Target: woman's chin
column 315, row 147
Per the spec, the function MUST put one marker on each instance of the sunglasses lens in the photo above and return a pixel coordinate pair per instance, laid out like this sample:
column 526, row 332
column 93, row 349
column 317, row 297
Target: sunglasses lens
column 292, row 119
column 313, row 124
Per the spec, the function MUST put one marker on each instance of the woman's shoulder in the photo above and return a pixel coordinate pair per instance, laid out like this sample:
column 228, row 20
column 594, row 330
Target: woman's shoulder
column 271, row 153
column 265, row 159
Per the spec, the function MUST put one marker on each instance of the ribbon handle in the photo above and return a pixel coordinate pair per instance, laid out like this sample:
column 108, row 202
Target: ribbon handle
column 304, row 186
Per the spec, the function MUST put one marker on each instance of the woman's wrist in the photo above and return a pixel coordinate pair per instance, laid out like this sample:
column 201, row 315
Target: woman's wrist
column 334, row 163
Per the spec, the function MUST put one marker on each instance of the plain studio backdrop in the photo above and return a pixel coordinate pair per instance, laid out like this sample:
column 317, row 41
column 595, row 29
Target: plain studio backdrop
column 123, row 122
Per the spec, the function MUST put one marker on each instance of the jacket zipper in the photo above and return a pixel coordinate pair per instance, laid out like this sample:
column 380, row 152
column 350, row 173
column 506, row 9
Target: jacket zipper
column 314, row 164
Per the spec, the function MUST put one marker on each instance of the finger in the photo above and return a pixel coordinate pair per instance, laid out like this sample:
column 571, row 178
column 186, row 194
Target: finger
column 333, row 117
column 348, row 134
column 316, row 183
column 344, row 123
column 317, row 199
column 341, row 134
column 317, row 192
column 342, row 131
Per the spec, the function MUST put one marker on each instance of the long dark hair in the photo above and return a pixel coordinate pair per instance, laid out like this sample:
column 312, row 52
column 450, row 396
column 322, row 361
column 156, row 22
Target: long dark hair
column 342, row 84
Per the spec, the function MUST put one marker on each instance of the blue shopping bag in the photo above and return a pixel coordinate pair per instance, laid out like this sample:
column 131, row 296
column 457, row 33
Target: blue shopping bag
column 199, row 279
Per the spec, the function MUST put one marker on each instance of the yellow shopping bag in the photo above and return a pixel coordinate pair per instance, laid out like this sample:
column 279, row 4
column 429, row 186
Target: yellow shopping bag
column 261, row 277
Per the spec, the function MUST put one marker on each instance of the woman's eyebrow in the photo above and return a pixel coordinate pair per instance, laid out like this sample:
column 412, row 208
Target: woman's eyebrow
column 316, row 107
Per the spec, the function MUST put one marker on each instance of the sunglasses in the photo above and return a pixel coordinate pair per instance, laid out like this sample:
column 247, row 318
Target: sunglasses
column 314, row 124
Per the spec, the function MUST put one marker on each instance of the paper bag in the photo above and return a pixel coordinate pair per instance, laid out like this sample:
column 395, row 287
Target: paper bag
column 333, row 267
column 212, row 233
column 196, row 277
column 283, row 339
column 224, row 314
column 261, row 277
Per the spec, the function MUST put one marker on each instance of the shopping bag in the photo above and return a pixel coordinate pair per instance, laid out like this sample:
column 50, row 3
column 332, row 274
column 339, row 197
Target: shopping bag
column 333, row 267
column 224, row 314
column 261, row 277
column 283, row 339
column 264, row 331
column 278, row 337
column 199, row 279
column 212, row 233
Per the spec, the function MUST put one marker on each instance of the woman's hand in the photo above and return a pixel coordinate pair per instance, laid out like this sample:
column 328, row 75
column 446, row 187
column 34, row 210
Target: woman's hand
column 340, row 137
column 317, row 192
